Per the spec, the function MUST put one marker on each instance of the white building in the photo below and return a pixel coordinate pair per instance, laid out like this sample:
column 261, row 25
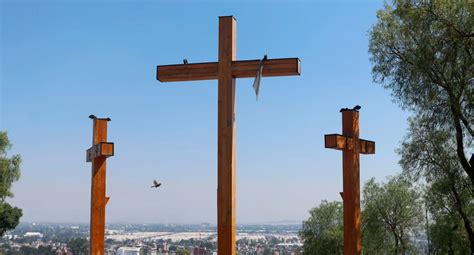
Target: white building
column 33, row 234
column 128, row 251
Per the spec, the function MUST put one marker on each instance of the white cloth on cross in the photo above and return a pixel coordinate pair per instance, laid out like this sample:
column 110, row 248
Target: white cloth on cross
column 256, row 82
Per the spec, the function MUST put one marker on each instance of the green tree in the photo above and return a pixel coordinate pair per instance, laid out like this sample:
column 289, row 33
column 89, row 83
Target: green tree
column 182, row 251
column 41, row 250
column 391, row 211
column 9, row 173
column 79, row 246
column 446, row 235
column 430, row 154
column 322, row 232
column 422, row 50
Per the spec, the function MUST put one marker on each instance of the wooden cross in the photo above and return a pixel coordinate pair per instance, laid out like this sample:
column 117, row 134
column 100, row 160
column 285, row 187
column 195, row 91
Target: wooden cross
column 226, row 70
column 351, row 147
column 97, row 154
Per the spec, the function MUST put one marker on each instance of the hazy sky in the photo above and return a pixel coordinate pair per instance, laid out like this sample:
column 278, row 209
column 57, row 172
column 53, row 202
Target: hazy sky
column 62, row 61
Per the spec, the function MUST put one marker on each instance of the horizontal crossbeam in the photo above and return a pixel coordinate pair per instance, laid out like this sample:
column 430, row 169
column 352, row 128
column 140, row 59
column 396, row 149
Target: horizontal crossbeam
column 240, row 69
column 104, row 149
column 340, row 142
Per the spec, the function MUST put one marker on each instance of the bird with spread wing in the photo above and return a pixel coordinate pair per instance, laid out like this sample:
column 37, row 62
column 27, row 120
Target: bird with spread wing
column 156, row 184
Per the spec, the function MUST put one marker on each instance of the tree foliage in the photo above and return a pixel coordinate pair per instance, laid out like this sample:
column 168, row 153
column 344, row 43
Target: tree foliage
column 9, row 217
column 79, row 246
column 41, row 250
column 322, row 232
column 423, row 52
column 446, row 234
column 391, row 211
column 9, row 173
column 430, row 154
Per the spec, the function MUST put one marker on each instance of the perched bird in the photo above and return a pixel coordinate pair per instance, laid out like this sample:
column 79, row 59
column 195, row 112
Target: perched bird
column 92, row 116
column 344, row 109
column 357, row 107
column 185, row 61
column 156, row 184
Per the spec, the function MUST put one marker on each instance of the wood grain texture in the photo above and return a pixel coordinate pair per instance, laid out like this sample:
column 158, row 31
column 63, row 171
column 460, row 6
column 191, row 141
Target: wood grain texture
column 351, row 189
column 102, row 150
column 340, row 142
column 240, row 69
column 226, row 71
column 351, row 147
column 226, row 138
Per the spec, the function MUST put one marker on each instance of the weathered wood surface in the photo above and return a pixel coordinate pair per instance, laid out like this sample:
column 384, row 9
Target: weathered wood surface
column 102, row 149
column 352, row 146
column 226, row 138
column 240, row 69
column 340, row 142
column 98, row 154
column 226, row 71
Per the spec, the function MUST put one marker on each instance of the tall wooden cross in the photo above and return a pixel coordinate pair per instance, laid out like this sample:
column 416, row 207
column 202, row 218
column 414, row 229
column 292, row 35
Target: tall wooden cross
column 226, row 70
column 351, row 147
column 98, row 154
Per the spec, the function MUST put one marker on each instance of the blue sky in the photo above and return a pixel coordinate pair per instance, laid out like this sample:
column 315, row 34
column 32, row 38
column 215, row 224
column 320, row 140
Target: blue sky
column 61, row 61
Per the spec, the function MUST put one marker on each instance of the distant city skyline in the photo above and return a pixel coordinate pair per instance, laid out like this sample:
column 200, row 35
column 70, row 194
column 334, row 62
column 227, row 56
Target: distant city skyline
column 62, row 61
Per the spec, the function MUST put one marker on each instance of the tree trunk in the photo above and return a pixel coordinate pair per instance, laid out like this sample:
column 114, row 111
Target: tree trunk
column 465, row 219
column 469, row 169
column 450, row 247
column 396, row 244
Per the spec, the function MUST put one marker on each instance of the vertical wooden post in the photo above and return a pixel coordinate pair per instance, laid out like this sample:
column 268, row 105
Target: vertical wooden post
column 98, row 197
column 352, row 146
column 226, row 138
column 351, row 189
column 226, row 70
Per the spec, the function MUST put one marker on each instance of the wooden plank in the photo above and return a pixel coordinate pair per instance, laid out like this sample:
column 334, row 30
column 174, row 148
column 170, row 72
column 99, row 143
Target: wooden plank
column 187, row 72
column 97, row 223
column 366, row 146
column 271, row 67
column 104, row 149
column 240, row 69
column 226, row 139
column 338, row 142
column 351, row 182
column 351, row 147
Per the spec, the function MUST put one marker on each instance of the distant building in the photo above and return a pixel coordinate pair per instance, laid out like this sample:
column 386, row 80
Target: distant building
column 128, row 251
column 33, row 234
column 199, row 251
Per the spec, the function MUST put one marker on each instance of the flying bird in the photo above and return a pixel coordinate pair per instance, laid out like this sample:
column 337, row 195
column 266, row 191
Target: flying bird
column 185, row 61
column 156, row 184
